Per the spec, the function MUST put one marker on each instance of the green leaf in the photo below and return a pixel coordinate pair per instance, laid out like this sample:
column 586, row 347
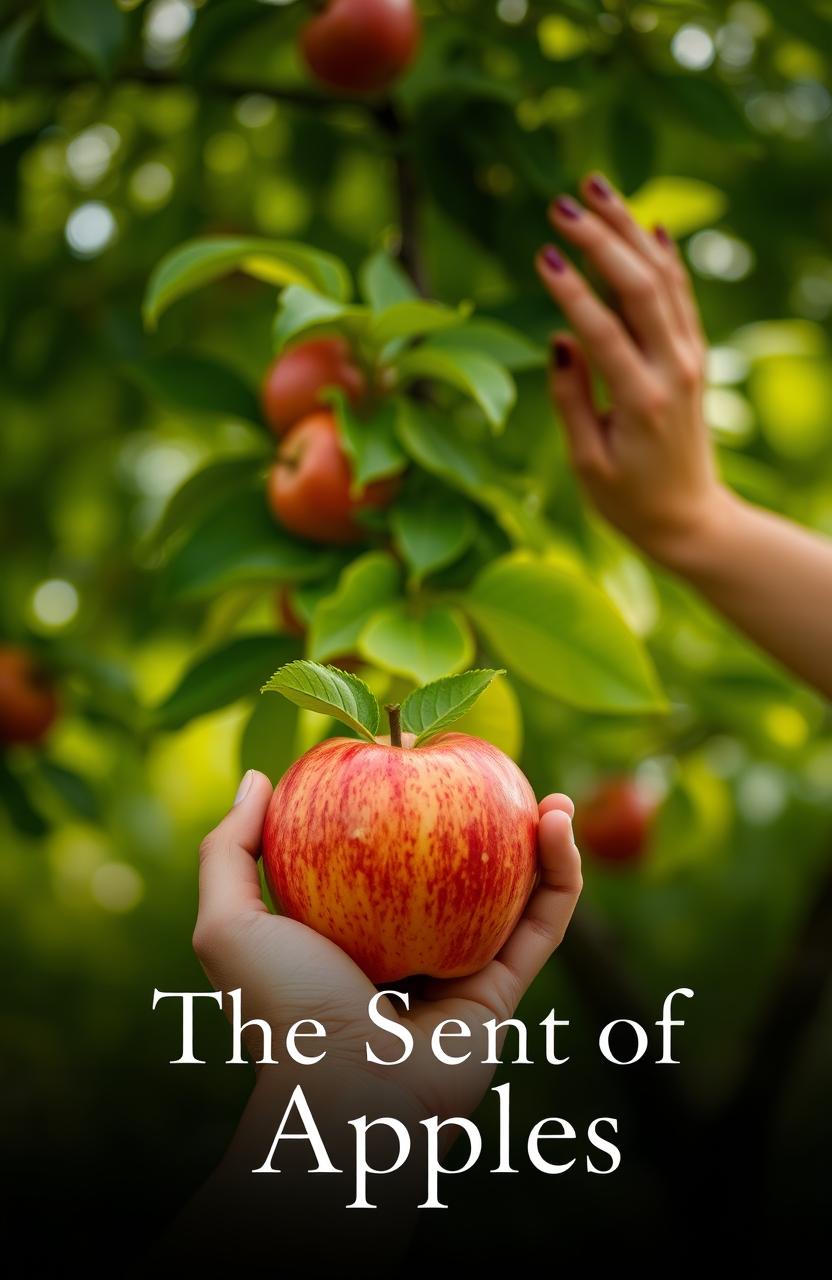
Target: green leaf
column 431, row 530
column 237, row 543
column 412, row 319
column 15, row 799
column 268, row 741
column 495, row 340
column 683, row 205
column 221, row 677
column 422, row 646
column 365, row 586
column 13, row 43
column 94, row 28
column 197, row 384
column 497, row 718
column 562, row 635
column 301, row 309
column 201, row 491
column 384, row 282
column 425, row 437
column 477, row 376
column 370, row 443
column 434, row 708
column 280, row 262
column 331, row 692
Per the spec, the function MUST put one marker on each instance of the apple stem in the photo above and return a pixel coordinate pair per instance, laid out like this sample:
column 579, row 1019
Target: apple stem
column 394, row 715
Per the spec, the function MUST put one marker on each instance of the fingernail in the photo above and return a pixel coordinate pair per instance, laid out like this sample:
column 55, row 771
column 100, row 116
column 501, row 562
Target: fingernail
column 599, row 187
column 567, row 208
column 244, row 787
column 661, row 235
column 561, row 353
column 553, row 259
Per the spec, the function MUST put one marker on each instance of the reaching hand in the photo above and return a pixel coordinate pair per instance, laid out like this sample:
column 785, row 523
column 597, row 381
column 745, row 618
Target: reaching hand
column 647, row 462
column 287, row 972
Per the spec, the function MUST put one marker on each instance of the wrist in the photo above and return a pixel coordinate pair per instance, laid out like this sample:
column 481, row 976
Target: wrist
column 694, row 546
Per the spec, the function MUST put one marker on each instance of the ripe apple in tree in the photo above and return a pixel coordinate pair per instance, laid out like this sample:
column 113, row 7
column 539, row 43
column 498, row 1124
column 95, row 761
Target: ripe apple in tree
column 361, row 46
column 294, row 381
column 412, row 859
column 614, row 822
column 309, row 485
column 28, row 701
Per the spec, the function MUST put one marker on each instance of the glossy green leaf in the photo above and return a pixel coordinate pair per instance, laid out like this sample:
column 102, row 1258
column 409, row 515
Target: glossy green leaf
column 384, row 282
column 436, row 706
column 365, row 586
column 475, row 375
column 682, row 205
column 280, row 262
column 421, row 645
column 413, row 319
column 233, row 671
column 562, row 635
column 371, row 444
column 301, row 310
column 239, row 542
column 496, row 341
column 331, row 692
column 97, row 29
column 431, row 530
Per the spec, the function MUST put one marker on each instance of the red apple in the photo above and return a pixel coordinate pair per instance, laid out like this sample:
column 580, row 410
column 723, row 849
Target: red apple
column 309, row 485
column 294, row 382
column 362, row 46
column 28, row 702
column 614, row 822
column 412, row 859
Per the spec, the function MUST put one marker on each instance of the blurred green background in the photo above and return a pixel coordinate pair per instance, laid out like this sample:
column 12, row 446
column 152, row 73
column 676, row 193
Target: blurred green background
column 128, row 129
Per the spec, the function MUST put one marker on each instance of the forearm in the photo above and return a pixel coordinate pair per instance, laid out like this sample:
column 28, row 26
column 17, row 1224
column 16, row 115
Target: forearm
column 298, row 1215
column 769, row 577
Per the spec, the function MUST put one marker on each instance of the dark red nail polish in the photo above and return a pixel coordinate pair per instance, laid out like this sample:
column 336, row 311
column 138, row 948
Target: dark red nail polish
column 553, row 259
column 567, row 208
column 599, row 187
column 562, row 354
column 662, row 236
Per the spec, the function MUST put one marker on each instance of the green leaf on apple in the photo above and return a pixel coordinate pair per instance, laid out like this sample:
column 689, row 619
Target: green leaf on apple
column 280, row 262
column 421, row 645
column 475, row 375
column 370, row 443
column 433, row 708
column 562, row 635
column 331, row 692
column 496, row 340
column 431, row 530
column 384, row 282
column 301, row 309
column 370, row 582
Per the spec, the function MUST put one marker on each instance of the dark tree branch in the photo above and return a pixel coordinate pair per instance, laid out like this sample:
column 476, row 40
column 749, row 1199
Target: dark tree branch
column 410, row 248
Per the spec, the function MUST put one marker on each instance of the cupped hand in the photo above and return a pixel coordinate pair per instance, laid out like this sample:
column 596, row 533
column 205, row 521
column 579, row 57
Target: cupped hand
column 646, row 461
column 287, row 972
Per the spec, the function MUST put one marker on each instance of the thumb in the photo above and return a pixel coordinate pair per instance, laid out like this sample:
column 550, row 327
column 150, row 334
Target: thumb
column 229, row 883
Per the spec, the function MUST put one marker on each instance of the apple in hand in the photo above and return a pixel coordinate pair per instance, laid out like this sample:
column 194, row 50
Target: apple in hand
column 294, row 381
column 615, row 821
column 361, row 46
column 28, row 702
column 413, row 859
column 309, row 487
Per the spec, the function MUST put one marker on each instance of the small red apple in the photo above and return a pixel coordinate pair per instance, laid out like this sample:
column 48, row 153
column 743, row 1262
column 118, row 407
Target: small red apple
column 362, row 46
column 294, row 382
column 28, row 701
column 614, row 822
column 412, row 859
column 309, row 485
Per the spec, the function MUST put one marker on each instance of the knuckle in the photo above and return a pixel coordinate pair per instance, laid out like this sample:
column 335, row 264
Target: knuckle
column 656, row 401
column 688, row 367
column 642, row 287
